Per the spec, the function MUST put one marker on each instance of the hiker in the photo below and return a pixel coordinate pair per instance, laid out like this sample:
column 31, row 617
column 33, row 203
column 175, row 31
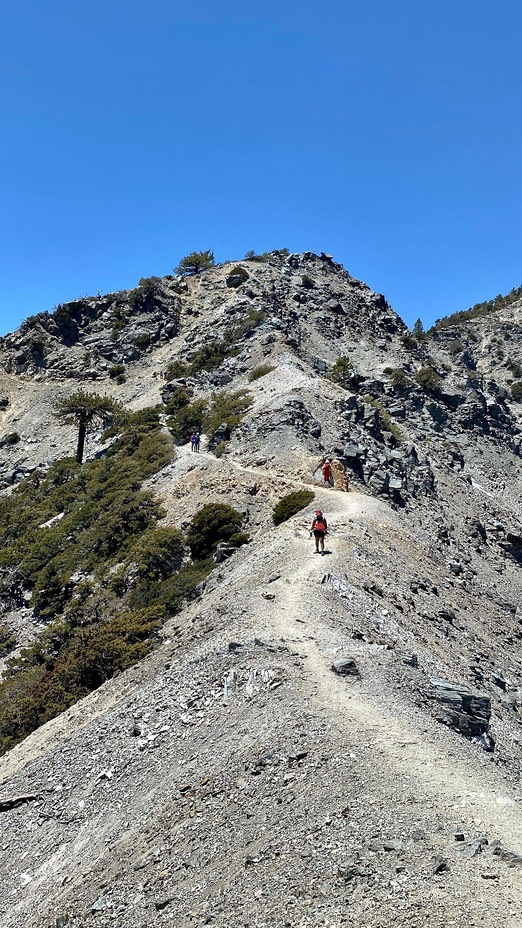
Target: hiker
column 192, row 441
column 319, row 528
column 197, row 438
column 327, row 472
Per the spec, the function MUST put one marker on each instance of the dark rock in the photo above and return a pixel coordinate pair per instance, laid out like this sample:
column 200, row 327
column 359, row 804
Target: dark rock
column 411, row 660
column 162, row 903
column 439, row 865
column 12, row 802
column 460, row 708
column 471, row 848
column 345, row 666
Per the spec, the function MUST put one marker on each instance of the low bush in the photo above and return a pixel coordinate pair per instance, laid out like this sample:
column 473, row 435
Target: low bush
column 289, row 505
column 65, row 664
column 176, row 369
column 220, row 449
column 226, row 407
column 516, row 391
column 399, row 377
column 142, row 340
column 514, row 367
column 12, row 438
column 116, row 372
column 342, row 372
column 479, row 309
column 187, row 416
column 260, row 371
column 214, row 523
column 7, row 641
column 428, row 379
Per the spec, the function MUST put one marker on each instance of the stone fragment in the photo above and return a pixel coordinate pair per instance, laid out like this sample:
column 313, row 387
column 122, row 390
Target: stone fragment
column 345, row 666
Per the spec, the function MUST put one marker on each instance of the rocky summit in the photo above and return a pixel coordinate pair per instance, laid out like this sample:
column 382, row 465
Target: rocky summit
column 283, row 739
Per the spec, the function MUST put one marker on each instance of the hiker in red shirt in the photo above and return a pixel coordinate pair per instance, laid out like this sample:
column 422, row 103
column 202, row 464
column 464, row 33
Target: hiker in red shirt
column 327, row 471
column 319, row 528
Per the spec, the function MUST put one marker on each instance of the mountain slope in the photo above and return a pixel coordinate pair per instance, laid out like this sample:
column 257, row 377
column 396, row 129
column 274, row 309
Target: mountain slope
column 232, row 776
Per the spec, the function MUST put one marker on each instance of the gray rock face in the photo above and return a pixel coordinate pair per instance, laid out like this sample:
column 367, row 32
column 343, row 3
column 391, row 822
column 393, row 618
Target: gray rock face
column 460, row 708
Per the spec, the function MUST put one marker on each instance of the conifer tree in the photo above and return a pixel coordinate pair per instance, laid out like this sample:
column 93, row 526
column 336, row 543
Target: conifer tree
column 86, row 410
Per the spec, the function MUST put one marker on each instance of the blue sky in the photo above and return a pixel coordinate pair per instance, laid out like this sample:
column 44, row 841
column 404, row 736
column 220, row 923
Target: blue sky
column 387, row 134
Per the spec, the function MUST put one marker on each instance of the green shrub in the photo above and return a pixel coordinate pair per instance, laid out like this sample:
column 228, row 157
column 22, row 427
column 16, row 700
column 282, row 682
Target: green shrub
column 342, row 372
column 220, row 448
column 479, row 309
column 455, row 346
column 226, row 407
column 65, row 664
column 119, row 319
column 176, row 369
column 7, row 641
column 12, row 438
column 205, row 415
column 289, row 505
column 516, row 391
column 387, row 422
column 214, row 523
column 116, row 371
column 260, row 371
column 428, row 379
column 307, row 281
column 212, row 354
column 186, row 419
column 409, row 341
column 398, row 377
column 514, row 367
column 158, row 553
column 142, row 340
column 237, row 276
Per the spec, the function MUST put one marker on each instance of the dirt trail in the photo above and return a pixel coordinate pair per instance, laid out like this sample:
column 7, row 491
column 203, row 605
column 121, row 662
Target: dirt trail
column 452, row 782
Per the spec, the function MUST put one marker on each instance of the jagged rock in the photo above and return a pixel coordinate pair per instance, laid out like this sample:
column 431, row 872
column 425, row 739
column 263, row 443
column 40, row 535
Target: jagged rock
column 345, row 666
column 460, row 708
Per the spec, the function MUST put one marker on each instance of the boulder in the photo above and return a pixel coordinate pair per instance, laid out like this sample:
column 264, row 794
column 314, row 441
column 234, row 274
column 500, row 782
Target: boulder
column 345, row 666
column 460, row 708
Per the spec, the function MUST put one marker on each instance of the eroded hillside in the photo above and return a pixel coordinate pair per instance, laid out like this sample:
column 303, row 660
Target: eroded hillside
column 232, row 777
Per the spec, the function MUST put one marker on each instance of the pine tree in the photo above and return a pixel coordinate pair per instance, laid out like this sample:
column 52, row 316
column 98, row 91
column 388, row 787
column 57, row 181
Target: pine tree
column 195, row 263
column 86, row 410
column 418, row 328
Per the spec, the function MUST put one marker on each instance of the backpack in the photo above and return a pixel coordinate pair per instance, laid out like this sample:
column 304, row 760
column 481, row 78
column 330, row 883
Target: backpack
column 320, row 524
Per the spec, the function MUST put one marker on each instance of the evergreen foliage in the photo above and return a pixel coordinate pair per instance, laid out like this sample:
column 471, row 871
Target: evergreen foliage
column 85, row 541
column 187, row 416
column 479, row 309
column 260, row 371
column 86, row 411
column 214, row 523
column 516, row 391
column 289, row 505
column 428, row 379
column 195, row 263
column 342, row 372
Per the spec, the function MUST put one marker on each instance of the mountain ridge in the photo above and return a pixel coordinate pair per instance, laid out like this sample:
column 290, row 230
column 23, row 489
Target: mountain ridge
column 232, row 776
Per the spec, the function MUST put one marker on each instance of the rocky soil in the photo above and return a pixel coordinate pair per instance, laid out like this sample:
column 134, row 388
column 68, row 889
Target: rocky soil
column 318, row 740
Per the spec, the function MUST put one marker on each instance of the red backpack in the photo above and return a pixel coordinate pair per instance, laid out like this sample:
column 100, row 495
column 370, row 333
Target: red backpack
column 320, row 523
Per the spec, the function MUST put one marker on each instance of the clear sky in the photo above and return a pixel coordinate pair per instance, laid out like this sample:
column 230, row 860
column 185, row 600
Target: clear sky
column 388, row 134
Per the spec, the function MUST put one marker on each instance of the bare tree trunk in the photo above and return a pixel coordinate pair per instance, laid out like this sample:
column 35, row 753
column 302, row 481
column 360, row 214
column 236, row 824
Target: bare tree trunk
column 82, row 431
